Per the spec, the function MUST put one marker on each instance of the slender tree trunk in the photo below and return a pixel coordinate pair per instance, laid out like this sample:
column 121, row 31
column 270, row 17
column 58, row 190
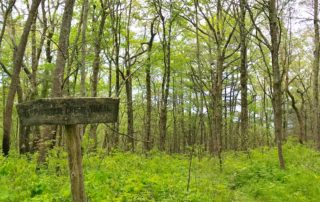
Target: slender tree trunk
column 84, row 48
column 148, row 89
column 128, row 82
column 17, row 63
column 175, row 134
column 225, row 116
column 63, row 44
column 24, row 130
column 299, row 116
column 96, row 68
column 202, row 124
column 116, row 25
column 315, row 74
column 5, row 20
column 217, row 104
column 49, row 57
column 166, row 47
column 149, row 104
column 303, row 117
column 182, row 118
column 58, row 74
column 277, row 78
column 243, row 77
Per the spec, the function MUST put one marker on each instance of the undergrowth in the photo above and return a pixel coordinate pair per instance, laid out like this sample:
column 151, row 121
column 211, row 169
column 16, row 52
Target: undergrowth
column 161, row 177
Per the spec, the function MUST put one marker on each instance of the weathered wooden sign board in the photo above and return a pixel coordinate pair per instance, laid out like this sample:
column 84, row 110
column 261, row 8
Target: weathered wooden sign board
column 70, row 112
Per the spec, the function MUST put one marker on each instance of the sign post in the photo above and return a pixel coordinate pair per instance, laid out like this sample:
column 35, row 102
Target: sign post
column 70, row 112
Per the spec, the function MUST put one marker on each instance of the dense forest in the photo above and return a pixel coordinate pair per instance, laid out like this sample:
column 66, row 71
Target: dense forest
column 222, row 88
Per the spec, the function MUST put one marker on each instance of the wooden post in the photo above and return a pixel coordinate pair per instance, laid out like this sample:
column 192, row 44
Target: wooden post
column 70, row 112
column 75, row 163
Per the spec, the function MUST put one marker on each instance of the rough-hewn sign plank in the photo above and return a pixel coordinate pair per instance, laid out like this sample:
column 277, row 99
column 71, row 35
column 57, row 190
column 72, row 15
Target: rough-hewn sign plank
column 67, row 111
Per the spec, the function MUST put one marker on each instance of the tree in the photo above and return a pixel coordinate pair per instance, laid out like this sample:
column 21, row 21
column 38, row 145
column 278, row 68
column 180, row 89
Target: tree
column 58, row 74
column 277, row 77
column 147, row 145
column 18, row 59
column 315, row 73
column 243, row 76
column 96, row 65
column 166, row 37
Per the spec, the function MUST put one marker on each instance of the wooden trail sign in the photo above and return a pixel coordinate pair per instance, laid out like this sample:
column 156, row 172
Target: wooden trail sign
column 69, row 112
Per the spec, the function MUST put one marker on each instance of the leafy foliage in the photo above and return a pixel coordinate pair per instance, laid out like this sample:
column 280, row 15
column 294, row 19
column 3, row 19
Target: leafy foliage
column 160, row 177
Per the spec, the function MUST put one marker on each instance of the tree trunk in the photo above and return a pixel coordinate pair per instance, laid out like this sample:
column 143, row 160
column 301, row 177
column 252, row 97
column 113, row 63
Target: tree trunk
column 175, row 134
column 5, row 20
column 96, row 68
column 58, row 74
column 217, row 104
column 277, row 78
column 299, row 116
column 115, row 20
column 148, row 89
column 149, row 103
column 243, row 77
column 128, row 82
column 315, row 73
column 182, row 118
column 84, row 48
column 62, row 54
column 166, row 47
column 17, row 63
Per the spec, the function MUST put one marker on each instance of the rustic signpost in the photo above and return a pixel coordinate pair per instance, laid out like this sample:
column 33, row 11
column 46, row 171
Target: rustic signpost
column 70, row 112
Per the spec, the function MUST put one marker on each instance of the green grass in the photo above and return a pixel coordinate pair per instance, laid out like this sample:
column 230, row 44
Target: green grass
column 160, row 177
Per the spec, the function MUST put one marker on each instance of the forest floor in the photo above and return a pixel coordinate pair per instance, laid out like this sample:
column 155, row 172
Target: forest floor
column 161, row 177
